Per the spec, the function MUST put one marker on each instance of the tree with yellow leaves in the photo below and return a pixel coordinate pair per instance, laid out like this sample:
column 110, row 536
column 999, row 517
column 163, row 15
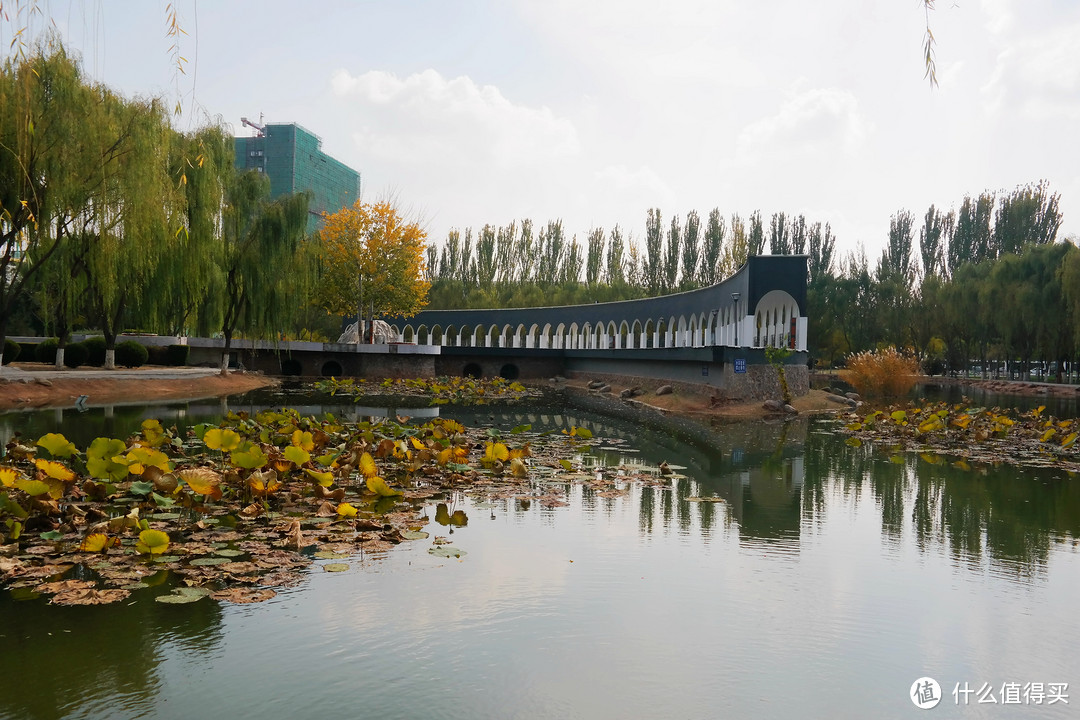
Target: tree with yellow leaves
column 372, row 242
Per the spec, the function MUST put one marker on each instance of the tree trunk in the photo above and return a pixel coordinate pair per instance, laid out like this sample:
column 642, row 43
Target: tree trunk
column 110, row 358
column 225, row 353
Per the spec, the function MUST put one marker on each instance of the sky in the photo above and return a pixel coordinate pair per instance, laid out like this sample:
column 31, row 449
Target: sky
column 592, row 111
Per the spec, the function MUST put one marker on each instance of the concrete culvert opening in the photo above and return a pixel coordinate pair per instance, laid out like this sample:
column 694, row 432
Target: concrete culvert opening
column 291, row 367
column 509, row 371
column 331, row 369
column 472, row 370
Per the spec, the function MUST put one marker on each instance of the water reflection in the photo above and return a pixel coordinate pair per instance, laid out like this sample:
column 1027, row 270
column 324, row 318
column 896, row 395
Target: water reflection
column 98, row 661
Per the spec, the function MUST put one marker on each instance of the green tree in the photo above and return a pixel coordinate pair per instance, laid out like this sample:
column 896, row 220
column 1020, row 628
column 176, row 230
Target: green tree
column 653, row 261
column 713, row 268
column 261, row 279
column 671, row 256
column 779, row 237
column 755, row 237
column 615, row 272
column 691, row 250
column 595, row 257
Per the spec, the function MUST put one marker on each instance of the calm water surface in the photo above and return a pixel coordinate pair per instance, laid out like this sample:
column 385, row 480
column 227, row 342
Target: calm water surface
column 827, row 582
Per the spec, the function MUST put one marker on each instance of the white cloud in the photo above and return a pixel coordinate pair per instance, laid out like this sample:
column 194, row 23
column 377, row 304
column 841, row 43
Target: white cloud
column 1039, row 76
column 817, row 123
column 426, row 119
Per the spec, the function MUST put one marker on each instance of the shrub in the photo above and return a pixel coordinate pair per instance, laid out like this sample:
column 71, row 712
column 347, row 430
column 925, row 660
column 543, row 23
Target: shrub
column 26, row 352
column 75, row 354
column 156, row 354
column 884, row 373
column 131, row 354
column 177, row 355
column 12, row 350
column 95, row 350
column 45, row 352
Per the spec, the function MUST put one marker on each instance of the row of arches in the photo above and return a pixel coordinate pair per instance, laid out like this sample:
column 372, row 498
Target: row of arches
column 776, row 322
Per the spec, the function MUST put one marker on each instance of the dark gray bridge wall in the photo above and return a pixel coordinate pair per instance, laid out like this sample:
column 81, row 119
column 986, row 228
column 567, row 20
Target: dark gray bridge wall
column 771, row 301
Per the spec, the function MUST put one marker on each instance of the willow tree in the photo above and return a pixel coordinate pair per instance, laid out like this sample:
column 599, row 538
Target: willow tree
column 201, row 165
column 373, row 249
column 49, row 174
column 133, row 214
column 260, row 276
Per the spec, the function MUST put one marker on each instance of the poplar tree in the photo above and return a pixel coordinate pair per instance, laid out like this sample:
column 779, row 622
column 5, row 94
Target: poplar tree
column 653, row 262
column 755, row 237
column 615, row 271
column 712, row 269
column 671, row 256
column 595, row 257
column 691, row 250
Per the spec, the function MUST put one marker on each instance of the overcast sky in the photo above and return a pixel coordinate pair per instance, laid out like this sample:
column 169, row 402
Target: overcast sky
column 592, row 111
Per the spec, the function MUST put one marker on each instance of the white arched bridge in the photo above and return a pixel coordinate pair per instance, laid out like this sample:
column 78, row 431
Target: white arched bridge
column 761, row 305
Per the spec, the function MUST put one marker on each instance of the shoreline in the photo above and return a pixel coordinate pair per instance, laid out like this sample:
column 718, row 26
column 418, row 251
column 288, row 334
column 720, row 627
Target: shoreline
column 42, row 387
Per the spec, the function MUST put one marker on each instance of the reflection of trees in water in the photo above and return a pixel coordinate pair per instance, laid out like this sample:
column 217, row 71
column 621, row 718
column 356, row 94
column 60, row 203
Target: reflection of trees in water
column 1006, row 515
column 59, row 660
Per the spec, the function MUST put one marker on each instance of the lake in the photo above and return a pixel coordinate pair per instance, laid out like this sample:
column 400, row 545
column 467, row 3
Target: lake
column 823, row 584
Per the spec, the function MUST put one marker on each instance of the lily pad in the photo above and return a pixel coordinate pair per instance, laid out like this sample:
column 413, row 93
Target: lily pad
column 228, row 553
column 414, row 534
column 203, row 561
column 328, row 555
column 178, row 599
column 335, row 567
column 446, row 551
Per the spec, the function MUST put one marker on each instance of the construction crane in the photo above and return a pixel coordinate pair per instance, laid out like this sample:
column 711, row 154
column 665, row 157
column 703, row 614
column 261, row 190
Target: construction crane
column 260, row 129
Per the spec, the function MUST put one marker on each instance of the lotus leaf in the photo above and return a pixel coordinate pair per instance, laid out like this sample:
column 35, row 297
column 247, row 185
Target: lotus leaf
column 346, row 510
column 152, row 542
column 447, row 551
column 325, row 479
column 336, row 567
column 32, row 487
column 178, row 599
column 141, row 458
column 153, row 433
column 296, row 455
column 378, row 486
column 250, row 457
column 103, row 461
column 221, row 439
column 57, row 445
column 367, row 466
column 203, row 481
column 303, row 440
column 96, row 542
column 8, row 476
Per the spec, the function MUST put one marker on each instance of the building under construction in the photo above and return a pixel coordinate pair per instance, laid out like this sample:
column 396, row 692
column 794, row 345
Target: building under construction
column 292, row 158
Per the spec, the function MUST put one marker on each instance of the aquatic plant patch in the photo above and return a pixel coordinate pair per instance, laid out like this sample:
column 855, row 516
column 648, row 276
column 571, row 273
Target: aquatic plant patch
column 440, row 391
column 240, row 508
column 967, row 434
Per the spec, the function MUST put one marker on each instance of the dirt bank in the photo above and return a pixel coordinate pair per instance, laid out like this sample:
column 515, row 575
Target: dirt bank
column 691, row 401
column 31, row 392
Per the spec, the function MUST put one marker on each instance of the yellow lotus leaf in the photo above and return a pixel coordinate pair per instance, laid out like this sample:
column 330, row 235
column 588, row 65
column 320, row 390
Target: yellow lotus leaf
column 57, row 445
column 219, row 439
column 153, row 433
column 962, row 422
column 378, row 486
column 8, row 476
column 1047, row 435
column 32, row 487
column 1069, row 441
column 204, row 481
column 367, row 466
column 416, row 443
column 444, row 456
column 303, row 440
column 282, row 465
column 521, row 452
column 518, row 469
column 95, row 542
column 152, row 542
column 264, row 482
column 141, row 458
column 54, row 470
column 296, row 455
column 325, row 479
column 346, row 510
column 250, row 457
column 934, row 423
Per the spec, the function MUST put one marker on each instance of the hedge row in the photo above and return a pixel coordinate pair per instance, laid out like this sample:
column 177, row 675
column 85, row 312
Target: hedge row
column 91, row 351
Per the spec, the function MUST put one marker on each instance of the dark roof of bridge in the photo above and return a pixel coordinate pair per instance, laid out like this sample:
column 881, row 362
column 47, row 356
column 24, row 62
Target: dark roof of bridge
column 760, row 275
